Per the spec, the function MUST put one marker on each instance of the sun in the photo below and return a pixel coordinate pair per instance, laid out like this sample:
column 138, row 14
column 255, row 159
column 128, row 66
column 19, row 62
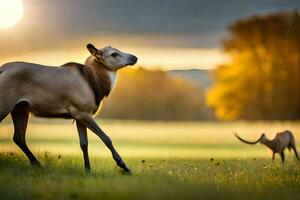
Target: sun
column 11, row 12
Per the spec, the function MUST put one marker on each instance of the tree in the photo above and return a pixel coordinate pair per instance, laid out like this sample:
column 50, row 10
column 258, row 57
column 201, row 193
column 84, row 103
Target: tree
column 262, row 80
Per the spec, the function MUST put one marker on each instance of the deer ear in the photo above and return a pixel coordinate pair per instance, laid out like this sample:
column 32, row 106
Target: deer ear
column 97, row 53
column 92, row 49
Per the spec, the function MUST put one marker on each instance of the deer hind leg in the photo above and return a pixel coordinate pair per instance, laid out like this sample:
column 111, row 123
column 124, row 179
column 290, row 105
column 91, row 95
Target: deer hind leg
column 20, row 116
column 293, row 146
column 273, row 156
column 296, row 153
column 5, row 109
column 3, row 114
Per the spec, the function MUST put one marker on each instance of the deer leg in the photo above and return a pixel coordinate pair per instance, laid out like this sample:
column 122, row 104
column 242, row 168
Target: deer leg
column 293, row 146
column 273, row 156
column 282, row 156
column 83, row 145
column 20, row 116
column 5, row 109
column 296, row 153
column 88, row 121
column 3, row 115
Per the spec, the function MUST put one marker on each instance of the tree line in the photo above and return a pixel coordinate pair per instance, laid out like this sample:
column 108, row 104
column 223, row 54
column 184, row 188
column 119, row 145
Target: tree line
column 154, row 95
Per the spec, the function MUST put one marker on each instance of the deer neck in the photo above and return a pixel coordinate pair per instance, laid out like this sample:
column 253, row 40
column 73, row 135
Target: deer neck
column 103, row 75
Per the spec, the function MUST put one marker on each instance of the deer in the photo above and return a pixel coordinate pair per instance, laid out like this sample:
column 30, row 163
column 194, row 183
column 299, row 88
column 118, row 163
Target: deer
column 281, row 141
column 71, row 91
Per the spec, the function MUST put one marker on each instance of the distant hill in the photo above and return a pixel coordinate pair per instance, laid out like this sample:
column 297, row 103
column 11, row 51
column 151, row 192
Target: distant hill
column 201, row 77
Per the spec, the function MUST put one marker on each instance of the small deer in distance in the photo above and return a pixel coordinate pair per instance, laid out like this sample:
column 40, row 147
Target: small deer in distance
column 281, row 141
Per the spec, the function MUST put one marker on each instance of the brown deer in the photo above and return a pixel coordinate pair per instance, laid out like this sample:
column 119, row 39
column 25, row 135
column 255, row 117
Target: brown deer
column 281, row 141
column 72, row 91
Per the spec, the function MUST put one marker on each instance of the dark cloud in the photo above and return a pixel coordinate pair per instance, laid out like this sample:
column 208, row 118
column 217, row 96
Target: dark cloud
column 155, row 16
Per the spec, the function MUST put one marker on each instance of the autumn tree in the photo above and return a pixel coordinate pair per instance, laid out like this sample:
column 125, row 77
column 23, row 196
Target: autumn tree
column 262, row 80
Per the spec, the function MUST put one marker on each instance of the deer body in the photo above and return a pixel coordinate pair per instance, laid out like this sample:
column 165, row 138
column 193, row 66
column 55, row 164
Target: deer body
column 72, row 91
column 280, row 142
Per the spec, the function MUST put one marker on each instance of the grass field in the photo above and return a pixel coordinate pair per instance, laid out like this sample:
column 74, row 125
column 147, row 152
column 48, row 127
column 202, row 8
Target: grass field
column 172, row 160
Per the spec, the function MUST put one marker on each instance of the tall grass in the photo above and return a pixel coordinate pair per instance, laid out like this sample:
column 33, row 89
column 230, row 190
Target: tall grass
column 186, row 160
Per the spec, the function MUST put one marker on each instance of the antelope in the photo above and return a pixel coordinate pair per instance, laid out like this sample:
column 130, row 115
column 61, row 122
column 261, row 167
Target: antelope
column 281, row 141
column 71, row 91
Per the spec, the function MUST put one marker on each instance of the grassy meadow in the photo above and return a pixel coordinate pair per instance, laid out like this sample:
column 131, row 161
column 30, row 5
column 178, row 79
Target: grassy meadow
column 169, row 160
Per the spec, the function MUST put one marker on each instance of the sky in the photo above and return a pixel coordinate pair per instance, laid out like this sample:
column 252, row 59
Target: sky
column 167, row 34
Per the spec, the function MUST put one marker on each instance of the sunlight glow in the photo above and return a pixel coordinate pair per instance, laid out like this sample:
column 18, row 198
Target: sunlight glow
column 11, row 12
column 149, row 57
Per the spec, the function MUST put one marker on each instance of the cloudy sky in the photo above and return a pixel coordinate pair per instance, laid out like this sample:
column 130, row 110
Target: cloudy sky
column 162, row 33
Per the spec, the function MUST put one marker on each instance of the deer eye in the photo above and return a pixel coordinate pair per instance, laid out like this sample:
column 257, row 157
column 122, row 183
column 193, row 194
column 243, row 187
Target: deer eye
column 114, row 54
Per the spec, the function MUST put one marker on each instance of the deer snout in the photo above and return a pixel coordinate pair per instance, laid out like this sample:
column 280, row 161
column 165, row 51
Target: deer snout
column 132, row 59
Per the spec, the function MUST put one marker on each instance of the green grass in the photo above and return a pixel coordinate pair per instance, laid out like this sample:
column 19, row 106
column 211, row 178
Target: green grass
column 169, row 161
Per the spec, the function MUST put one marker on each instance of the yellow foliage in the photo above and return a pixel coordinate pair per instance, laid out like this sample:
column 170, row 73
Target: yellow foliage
column 262, row 80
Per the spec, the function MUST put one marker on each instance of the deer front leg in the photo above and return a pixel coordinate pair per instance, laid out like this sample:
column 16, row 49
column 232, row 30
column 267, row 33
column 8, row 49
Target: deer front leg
column 83, row 145
column 88, row 121
column 273, row 156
